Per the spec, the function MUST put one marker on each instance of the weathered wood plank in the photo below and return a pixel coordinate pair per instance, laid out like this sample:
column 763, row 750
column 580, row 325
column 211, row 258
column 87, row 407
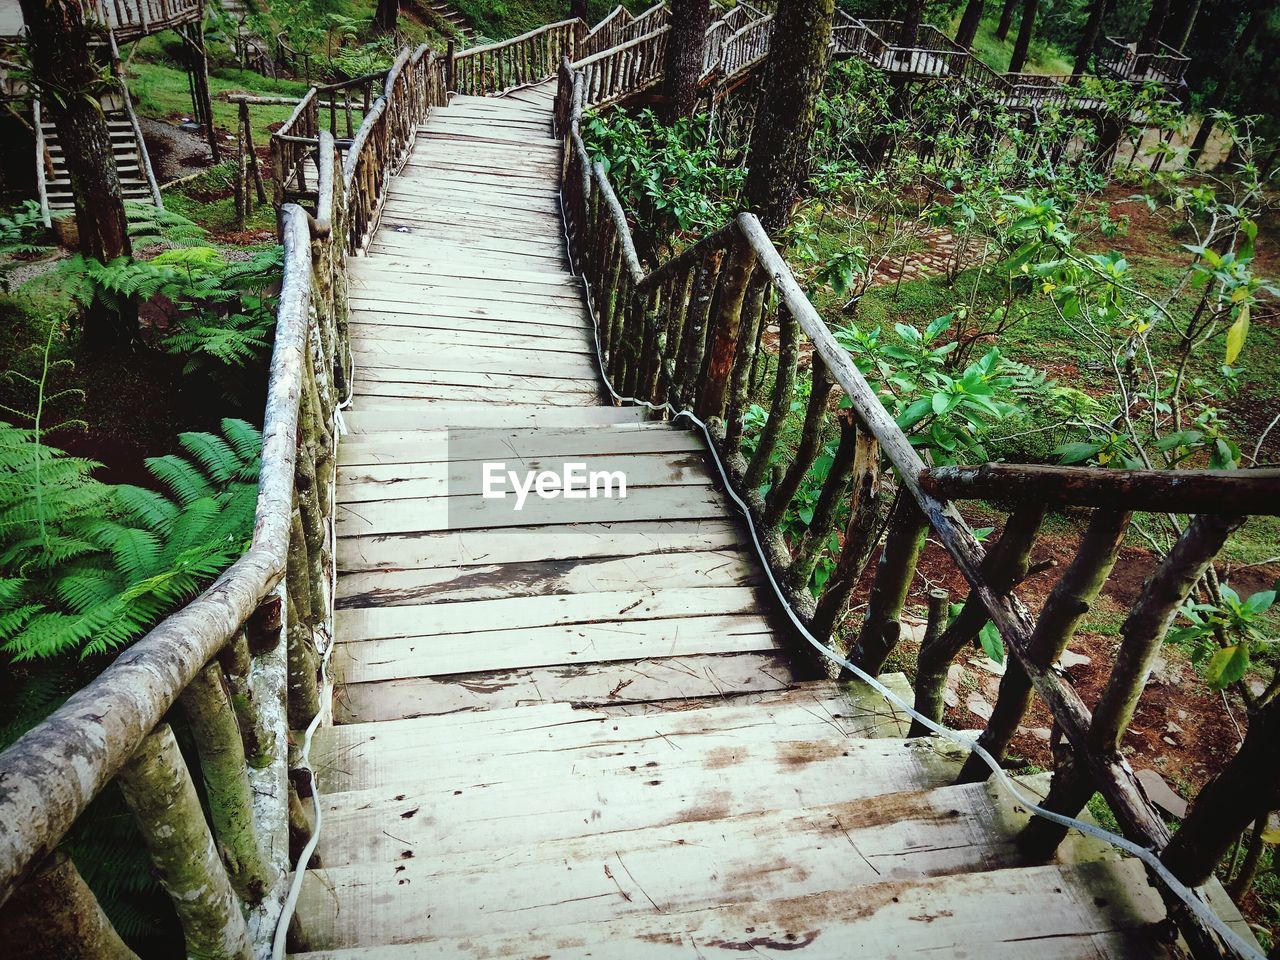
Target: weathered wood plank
column 456, row 549
column 528, row 337
column 365, row 660
column 653, row 681
column 1052, row 912
column 453, row 416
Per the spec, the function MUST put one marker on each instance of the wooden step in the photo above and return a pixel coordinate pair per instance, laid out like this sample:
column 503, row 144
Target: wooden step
column 1092, row 910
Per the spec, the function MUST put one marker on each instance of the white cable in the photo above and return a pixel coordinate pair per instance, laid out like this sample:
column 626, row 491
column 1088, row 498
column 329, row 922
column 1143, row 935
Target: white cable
column 1188, row 896
column 304, row 752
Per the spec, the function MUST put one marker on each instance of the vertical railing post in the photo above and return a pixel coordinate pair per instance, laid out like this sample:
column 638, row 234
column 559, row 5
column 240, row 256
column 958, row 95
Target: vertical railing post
column 55, row 914
column 159, row 791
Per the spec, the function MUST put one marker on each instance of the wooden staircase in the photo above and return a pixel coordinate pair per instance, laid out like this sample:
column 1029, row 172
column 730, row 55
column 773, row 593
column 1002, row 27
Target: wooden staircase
column 131, row 162
column 447, row 13
column 577, row 732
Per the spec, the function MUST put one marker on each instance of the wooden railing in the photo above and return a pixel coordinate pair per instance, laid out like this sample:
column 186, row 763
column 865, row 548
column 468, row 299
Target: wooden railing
column 624, row 71
column 130, row 19
column 686, row 335
column 746, row 47
column 1163, row 65
column 243, row 658
column 529, row 58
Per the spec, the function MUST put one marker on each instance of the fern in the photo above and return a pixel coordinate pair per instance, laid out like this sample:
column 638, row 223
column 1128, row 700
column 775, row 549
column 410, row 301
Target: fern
column 114, row 560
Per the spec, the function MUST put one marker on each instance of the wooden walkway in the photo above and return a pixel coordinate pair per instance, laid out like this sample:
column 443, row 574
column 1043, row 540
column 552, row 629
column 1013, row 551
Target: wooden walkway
column 574, row 733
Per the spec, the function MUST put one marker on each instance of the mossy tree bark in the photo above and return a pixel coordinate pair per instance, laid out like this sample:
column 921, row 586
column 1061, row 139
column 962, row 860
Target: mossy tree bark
column 685, row 45
column 882, row 625
column 55, row 914
column 1143, row 634
column 70, row 84
column 777, row 159
column 224, row 768
column 158, row 789
column 1069, row 601
column 386, row 15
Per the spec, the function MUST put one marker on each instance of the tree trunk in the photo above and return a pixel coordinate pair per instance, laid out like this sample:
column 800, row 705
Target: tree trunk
column 778, row 156
column 911, row 17
column 685, row 45
column 1149, row 42
column 970, row 22
column 1089, row 38
column 386, row 16
column 55, row 914
column 1006, row 19
column 578, row 8
column 1228, row 76
column 1026, row 29
column 62, row 63
column 1004, row 566
column 1178, row 29
column 1248, row 788
column 226, row 778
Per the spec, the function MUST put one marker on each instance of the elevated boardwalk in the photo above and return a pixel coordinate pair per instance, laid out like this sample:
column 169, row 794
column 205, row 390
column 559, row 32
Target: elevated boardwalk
column 575, row 733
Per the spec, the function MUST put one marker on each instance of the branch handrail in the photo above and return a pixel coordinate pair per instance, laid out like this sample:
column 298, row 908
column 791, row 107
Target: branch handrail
column 279, row 588
column 686, row 335
column 529, row 58
column 626, row 70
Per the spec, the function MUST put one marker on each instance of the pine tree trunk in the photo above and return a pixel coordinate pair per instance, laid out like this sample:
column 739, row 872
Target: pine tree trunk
column 1227, row 78
column 62, row 61
column 910, row 32
column 386, row 16
column 970, row 22
column 1177, row 32
column 1149, row 42
column 578, row 8
column 1089, row 38
column 1026, row 29
column 685, row 46
column 1006, row 19
column 778, row 157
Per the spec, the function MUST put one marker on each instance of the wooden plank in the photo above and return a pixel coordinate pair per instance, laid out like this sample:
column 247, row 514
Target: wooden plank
column 440, row 267
column 475, row 512
column 479, row 292
column 438, row 655
column 453, row 446
column 415, row 368
column 452, row 416
column 547, row 577
column 482, row 201
column 445, row 306
column 623, row 682
column 456, row 549
column 606, row 795
column 515, row 189
column 456, row 217
column 612, row 609
column 529, row 336
column 410, row 396
column 1053, row 912
column 409, row 237
column 399, row 481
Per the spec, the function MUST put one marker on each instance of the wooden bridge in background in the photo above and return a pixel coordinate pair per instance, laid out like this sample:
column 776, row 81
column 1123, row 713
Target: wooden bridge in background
column 593, row 729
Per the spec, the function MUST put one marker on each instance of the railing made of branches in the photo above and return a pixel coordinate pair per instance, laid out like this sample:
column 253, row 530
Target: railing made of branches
column 689, row 333
column 1162, row 65
column 622, row 72
column 243, row 659
column 130, row 19
column 529, row 58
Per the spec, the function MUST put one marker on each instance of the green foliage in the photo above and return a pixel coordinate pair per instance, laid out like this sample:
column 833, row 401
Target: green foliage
column 89, row 567
column 1225, row 637
column 670, row 178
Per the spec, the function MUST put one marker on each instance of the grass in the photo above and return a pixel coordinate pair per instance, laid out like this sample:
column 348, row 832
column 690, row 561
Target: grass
column 160, row 90
column 206, row 200
column 1042, row 57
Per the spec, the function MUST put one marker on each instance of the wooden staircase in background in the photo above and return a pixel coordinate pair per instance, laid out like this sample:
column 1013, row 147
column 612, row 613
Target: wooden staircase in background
column 447, row 13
